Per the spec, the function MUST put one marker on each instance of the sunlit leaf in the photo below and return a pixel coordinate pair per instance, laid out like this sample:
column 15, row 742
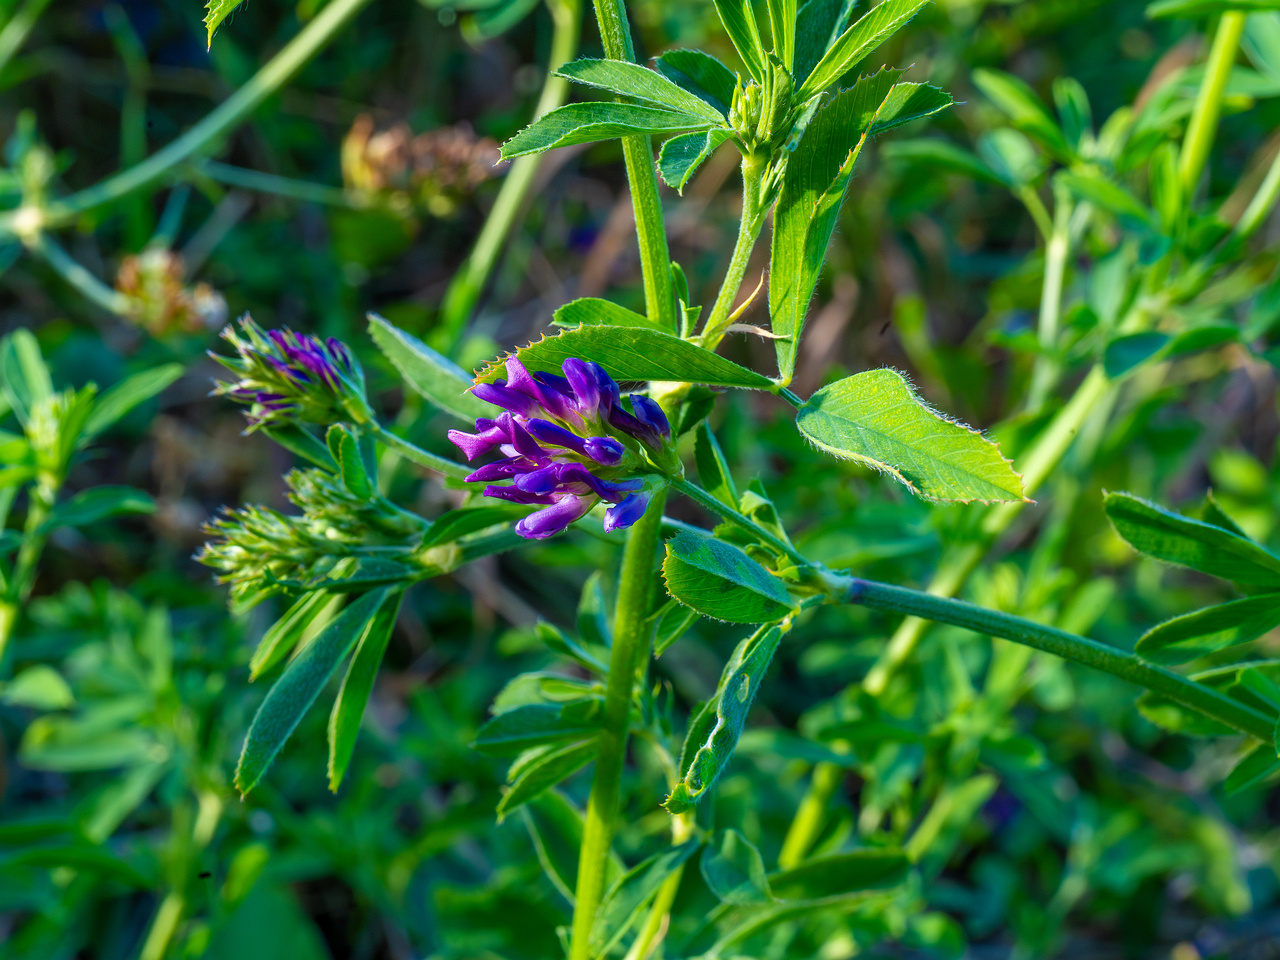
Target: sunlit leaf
column 640, row 83
column 1195, row 634
column 589, row 122
column 435, row 377
column 852, row 47
column 720, row 581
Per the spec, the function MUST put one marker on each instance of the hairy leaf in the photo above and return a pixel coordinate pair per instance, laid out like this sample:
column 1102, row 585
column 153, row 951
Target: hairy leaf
column 876, row 419
column 740, row 24
column 852, row 47
column 298, row 687
column 1174, row 538
column 639, row 83
column 543, row 772
column 284, row 634
column 701, row 74
column 435, row 377
column 1214, row 628
column 818, row 25
column 718, row 580
column 357, row 686
column 533, row 725
column 215, row 12
column 633, row 353
column 344, row 448
column 714, row 731
column 782, row 26
column 680, row 157
column 593, row 311
column 589, row 122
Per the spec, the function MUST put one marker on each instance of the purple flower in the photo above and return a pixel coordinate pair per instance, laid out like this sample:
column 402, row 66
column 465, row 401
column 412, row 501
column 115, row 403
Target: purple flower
column 286, row 377
column 569, row 443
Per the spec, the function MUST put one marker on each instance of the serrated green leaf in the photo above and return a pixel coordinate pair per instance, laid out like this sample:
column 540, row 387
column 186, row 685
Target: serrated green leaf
column 813, row 189
column 714, row 730
column 633, row 353
column 215, row 12
column 841, row 874
column 99, row 503
column 357, row 686
column 680, row 157
column 720, row 581
column 1021, row 105
column 640, row 83
column 543, row 772
column 740, row 24
column 298, row 688
column 852, row 47
column 1173, row 538
column 533, row 725
column 818, row 25
column 593, row 311
column 118, row 400
column 589, row 122
column 1258, row 765
column 713, row 469
column 701, row 74
column 1195, row 634
column 876, row 419
column 433, row 376
column 734, row 870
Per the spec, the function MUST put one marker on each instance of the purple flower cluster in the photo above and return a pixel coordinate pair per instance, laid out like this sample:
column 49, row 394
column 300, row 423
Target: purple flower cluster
column 286, row 376
column 568, row 443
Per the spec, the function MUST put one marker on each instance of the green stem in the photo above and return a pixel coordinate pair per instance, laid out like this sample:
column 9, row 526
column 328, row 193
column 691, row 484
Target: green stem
column 113, row 301
column 810, row 815
column 654, row 927
column 1204, row 118
column 1262, row 203
column 228, row 114
column 419, row 456
column 468, row 283
column 16, row 31
column 705, row 499
column 1057, row 251
column 273, row 184
column 636, row 589
column 753, row 216
column 1069, row 646
column 41, row 500
column 651, row 232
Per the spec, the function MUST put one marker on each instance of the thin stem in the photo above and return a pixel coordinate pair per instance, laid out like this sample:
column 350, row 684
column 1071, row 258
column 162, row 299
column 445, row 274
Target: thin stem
column 419, row 456
column 468, row 283
column 202, row 136
column 705, row 499
column 810, row 815
column 274, row 184
column 16, row 31
column 41, row 499
column 1069, row 646
column 748, row 231
column 113, row 301
column 1262, row 203
column 1204, row 118
column 631, row 641
column 651, row 232
column 1056, row 253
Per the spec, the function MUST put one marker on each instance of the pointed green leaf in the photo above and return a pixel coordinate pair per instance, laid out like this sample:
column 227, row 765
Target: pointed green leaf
column 284, row 634
column 1177, row 718
column 1214, row 628
column 715, row 729
column 115, row 402
column 592, row 311
column 1098, row 190
column 297, row 689
column 357, row 686
column 1259, row 764
column 555, row 825
column 98, row 503
column 344, row 449
column 1026, row 110
column 680, row 157
column 782, row 25
column 435, row 377
column 215, row 12
column 713, row 469
column 633, row 353
column 628, row 898
column 459, row 523
column 734, row 870
column 740, row 23
column 589, row 122
column 24, row 377
column 674, row 623
column 1173, row 538
column 543, row 772
column 819, row 24
column 876, row 419
column 842, row 874
column 702, row 75
column 852, row 47
column 533, row 725
column 639, row 83
column 720, row 581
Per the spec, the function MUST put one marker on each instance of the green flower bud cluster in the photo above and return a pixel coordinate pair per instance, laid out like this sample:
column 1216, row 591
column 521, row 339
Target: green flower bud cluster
column 763, row 114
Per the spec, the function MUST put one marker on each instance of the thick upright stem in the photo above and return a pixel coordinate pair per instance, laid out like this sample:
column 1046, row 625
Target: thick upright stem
column 651, row 231
column 631, row 636
column 469, row 282
column 279, row 70
column 1204, row 118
